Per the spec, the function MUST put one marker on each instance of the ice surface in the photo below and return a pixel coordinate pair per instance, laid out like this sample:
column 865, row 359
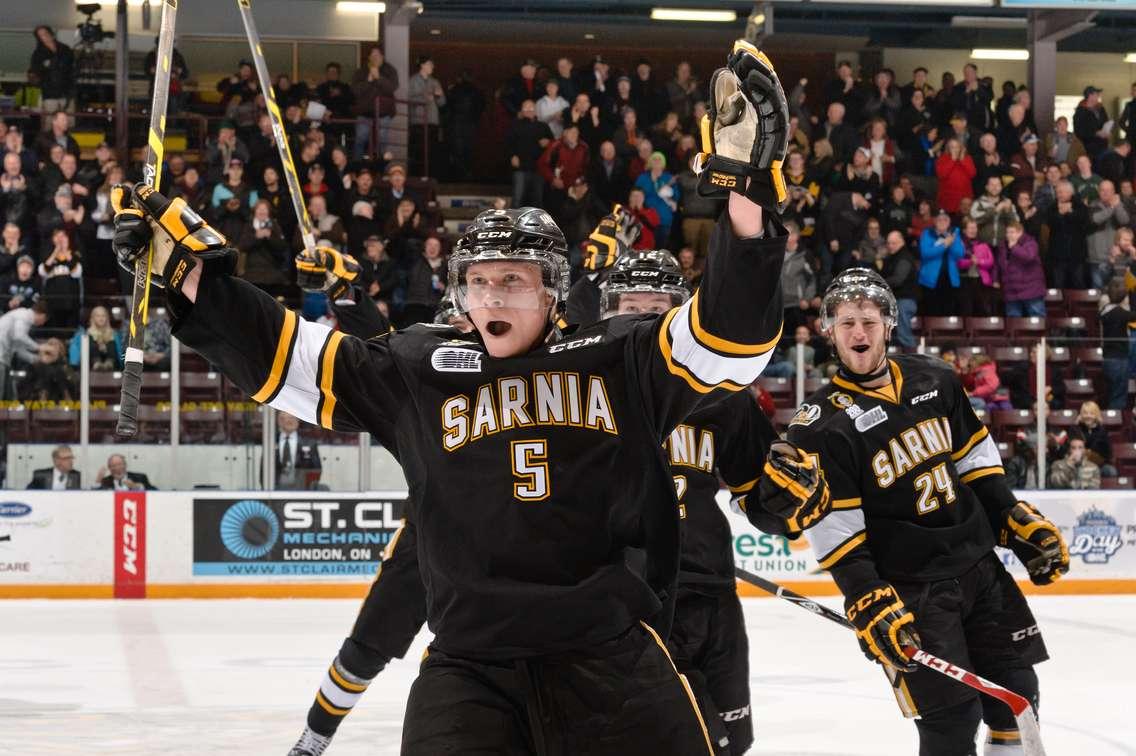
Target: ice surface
column 237, row 677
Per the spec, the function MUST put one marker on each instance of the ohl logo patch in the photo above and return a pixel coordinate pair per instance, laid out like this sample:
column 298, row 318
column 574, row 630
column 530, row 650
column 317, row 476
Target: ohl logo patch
column 1096, row 537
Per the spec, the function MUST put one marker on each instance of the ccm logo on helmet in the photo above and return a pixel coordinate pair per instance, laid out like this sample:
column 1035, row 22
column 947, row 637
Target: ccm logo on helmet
column 493, row 234
column 642, row 273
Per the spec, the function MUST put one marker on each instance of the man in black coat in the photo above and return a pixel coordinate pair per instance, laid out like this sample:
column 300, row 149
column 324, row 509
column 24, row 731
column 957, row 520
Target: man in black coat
column 298, row 466
column 116, row 477
column 60, row 476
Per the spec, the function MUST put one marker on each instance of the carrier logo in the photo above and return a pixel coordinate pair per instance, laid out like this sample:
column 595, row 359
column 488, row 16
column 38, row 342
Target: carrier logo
column 806, row 415
column 925, row 397
column 1096, row 537
column 456, row 360
column 14, row 509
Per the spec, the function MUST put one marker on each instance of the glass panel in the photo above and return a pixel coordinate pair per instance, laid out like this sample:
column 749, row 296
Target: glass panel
column 211, row 60
column 313, row 56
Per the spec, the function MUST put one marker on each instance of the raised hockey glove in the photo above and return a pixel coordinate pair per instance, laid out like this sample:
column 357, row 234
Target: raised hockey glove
column 604, row 245
column 793, row 487
column 628, row 229
column 745, row 134
column 883, row 626
column 1036, row 542
column 181, row 238
column 327, row 270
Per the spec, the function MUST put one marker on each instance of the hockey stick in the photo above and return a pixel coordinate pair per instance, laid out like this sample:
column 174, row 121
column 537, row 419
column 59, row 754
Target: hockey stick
column 151, row 171
column 293, row 181
column 1027, row 723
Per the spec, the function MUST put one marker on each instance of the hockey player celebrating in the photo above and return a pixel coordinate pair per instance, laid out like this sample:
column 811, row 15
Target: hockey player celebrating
column 918, row 501
column 708, row 640
column 534, row 461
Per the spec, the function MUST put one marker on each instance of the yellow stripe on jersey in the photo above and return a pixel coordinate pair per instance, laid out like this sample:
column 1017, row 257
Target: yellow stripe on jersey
column 327, row 374
column 685, row 686
column 744, row 487
column 981, row 472
column 283, row 349
column 842, row 551
column 980, row 434
column 673, row 367
column 846, row 503
column 718, row 344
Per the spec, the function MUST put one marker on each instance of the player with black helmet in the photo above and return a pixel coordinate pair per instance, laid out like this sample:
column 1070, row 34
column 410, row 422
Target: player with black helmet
column 555, row 439
column 918, row 501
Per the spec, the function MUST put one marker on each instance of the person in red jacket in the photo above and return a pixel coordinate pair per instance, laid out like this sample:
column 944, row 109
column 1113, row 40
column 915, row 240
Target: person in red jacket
column 563, row 161
column 956, row 171
column 648, row 219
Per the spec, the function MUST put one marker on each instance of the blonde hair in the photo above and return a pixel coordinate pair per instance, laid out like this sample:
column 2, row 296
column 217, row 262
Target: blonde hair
column 1090, row 410
column 103, row 335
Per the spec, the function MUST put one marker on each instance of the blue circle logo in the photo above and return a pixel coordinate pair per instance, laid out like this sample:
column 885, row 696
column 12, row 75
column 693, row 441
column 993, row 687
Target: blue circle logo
column 249, row 529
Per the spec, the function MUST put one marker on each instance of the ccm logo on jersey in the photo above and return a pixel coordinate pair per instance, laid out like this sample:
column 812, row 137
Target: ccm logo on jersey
column 577, row 344
column 734, row 714
column 1030, row 631
column 925, row 397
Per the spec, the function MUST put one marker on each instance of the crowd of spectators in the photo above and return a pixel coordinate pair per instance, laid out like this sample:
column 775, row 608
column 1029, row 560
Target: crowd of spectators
column 953, row 193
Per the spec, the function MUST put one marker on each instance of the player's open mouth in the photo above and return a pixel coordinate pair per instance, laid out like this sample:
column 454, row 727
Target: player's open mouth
column 860, row 348
column 498, row 327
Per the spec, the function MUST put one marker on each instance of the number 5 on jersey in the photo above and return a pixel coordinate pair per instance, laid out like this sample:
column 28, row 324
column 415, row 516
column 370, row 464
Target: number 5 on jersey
column 530, row 467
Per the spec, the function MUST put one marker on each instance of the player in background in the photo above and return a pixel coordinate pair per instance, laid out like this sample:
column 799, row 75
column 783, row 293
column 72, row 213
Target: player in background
column 918, row 501
column 556, row 442
column 609, row 241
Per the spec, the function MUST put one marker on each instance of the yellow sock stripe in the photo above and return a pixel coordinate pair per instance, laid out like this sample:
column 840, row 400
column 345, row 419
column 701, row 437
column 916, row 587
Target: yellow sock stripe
column 283, row 349
column 685, row 686
column 326, row 705
column 711, row 341
column 982, row 472
column 327, row 374
column 841, row 551
column 339, row 680
column 1005, row 737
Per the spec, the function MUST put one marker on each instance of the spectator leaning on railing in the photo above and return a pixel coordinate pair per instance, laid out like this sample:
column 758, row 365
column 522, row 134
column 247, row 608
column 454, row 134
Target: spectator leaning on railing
column 16, row 344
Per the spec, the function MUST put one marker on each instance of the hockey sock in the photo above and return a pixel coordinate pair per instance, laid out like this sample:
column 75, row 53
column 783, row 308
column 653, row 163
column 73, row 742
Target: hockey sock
column 1003, row 743
column 1002, row 737
column 343, row 685
column 950, row 731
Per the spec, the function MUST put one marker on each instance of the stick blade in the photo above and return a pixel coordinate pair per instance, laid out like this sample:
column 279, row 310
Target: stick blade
column 1030, row 733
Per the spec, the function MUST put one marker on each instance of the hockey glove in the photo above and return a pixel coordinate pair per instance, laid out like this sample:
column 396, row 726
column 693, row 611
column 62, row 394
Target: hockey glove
column 604, row 246
column 324, row 269
column 628, row 229
column 883, row 626
column 745, row 134
column 1036, row 542
column 180, row 237
column 793, row 487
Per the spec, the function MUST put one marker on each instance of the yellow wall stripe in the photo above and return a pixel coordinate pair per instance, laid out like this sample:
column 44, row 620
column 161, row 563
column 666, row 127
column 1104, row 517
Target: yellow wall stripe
column 327, row 375
column 276, row 372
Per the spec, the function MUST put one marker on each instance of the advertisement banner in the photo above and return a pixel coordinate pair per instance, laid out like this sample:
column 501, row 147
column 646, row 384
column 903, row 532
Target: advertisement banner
column 130, row 544
column 292, row 535
column 1098, row 526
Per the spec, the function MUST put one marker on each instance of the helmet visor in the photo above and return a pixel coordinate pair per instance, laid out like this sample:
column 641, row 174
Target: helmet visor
column 854, row 293
column 490, row 280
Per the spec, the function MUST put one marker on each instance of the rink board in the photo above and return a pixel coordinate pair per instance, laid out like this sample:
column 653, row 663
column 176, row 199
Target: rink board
column 194, row 544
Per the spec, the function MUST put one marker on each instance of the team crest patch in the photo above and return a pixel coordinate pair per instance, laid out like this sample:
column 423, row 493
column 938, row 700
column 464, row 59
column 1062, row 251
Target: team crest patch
column 871, row 419
column 840, row 400
column 456, row 360
column 806, row 415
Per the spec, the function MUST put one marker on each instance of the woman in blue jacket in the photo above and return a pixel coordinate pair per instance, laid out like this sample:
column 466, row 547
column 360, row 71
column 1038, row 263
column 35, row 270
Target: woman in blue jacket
column 940, row 249
column 662, row 194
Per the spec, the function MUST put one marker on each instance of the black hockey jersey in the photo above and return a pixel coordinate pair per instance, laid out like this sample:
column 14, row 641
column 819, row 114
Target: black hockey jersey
column 530, row 478
column 730, row 438
column 902, row 464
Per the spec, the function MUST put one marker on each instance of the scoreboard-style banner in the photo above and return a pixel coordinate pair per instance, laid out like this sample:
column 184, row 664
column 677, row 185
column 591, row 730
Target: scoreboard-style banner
column 103, row 544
